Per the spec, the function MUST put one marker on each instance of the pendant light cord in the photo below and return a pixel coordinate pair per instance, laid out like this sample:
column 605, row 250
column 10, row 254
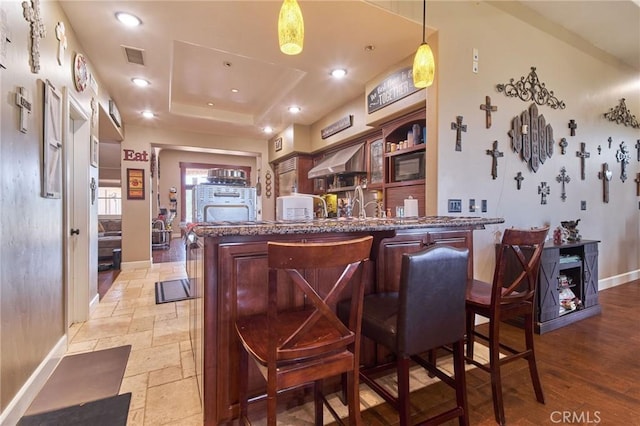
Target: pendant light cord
column 424, row 19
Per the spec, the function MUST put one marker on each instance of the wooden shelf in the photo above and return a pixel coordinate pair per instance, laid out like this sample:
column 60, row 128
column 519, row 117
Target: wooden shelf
column 419, row 147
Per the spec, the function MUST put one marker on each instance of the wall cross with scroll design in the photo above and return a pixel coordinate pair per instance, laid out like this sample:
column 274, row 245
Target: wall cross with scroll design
column 488, row 109
column 459, row 127
column 32, row 15
column 563, row 178
column 543, row 190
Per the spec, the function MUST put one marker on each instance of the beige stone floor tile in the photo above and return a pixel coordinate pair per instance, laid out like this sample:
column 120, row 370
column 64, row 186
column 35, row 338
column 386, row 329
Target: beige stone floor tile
column 141, row 324
column 73, row 330
column 122, row 294
column 79, row 347
column 131, row 274
column 172, row 402
column 188, row 364
column 136, row 417
column 155, row 310
column 137, row 385
column 166, row 375
column 172, row 330
column 153, row 358
column 140, row 340
column 101, row 328
column 135, row 303
column 185, row 345
column 104, row 310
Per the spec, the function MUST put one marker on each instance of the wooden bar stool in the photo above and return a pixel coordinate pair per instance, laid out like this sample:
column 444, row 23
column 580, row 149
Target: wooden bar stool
column 427, row 313
column 511, row 295
column 305, row 344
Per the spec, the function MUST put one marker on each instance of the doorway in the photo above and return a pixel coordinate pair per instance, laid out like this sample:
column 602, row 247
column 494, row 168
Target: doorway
column 80, row 269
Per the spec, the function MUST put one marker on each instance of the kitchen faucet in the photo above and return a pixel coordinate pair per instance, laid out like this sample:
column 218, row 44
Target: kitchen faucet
column 359, row 198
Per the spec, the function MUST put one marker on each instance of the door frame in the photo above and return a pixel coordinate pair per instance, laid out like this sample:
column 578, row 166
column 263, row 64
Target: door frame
column 77, row 128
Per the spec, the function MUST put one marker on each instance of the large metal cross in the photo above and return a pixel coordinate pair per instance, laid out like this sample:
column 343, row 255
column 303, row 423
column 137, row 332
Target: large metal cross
column 563, row 178
column 583, row 155
column 605, row 175
column 459, row 127
column 495, row 154
column 488, row 108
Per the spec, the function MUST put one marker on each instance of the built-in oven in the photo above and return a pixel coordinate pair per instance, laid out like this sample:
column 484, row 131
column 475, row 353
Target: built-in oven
column 214, row 203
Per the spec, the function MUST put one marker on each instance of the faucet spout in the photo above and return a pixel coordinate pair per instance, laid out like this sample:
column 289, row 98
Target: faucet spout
column 359, row 198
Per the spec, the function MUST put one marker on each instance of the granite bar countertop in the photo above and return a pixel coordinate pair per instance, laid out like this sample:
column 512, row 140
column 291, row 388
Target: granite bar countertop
column 272, row 227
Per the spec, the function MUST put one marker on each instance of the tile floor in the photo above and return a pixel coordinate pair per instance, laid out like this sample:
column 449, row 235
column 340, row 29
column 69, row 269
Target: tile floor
column 160, row 372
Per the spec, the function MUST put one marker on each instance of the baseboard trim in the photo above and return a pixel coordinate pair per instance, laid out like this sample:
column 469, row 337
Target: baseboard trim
column 616, row 280
column 27, row 393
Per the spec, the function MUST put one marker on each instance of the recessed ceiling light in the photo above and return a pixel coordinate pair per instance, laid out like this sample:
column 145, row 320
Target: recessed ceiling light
column 148, row 114
column 141, row 82
column 294, row 109
column 234, row 90
column 268, row 129
column 338, row 73
column 210, row 103
column 369, row 48
column 128, row 19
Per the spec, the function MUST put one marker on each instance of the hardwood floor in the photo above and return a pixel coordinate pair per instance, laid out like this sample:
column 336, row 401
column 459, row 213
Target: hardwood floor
column 175, row 253
column 590, row 373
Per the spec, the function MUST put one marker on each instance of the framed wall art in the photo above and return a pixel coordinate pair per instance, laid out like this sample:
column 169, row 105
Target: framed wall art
column 278, row 144
column 94, row 153
column 135, row 184
column 52, row 143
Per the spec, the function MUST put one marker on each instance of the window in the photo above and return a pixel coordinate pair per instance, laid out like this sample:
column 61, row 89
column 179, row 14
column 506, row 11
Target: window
column 110, row 201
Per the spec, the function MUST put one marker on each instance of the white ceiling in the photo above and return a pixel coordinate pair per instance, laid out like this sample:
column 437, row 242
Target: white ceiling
column 186, row 44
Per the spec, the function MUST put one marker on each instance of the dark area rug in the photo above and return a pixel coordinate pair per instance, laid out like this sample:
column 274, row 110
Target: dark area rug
column 81, row 378
column 172, row 291
column 112, row 411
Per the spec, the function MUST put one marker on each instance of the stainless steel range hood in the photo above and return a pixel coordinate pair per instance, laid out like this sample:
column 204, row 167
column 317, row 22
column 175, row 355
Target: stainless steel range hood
column 347, row 160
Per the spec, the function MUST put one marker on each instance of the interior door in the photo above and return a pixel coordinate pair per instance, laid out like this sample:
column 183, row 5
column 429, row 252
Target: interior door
column 77, row 212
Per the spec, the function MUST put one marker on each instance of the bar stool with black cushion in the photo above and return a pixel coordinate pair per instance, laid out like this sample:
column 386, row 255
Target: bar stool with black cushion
column 511, row 296
column 306, row 344
column 427, row 313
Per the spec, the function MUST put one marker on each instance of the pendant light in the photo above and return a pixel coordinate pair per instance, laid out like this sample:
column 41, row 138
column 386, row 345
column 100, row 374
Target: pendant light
column 290, row 28
column 424, row 66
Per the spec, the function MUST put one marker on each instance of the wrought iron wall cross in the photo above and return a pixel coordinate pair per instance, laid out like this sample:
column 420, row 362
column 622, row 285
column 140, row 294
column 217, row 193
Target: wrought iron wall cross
column 605, row 175
column 459, row 127
column 583, row 155
column 495, row 154
column 488, row 109
column 563, row 178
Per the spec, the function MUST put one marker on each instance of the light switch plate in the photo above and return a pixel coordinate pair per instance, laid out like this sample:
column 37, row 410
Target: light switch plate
column 475, row 67
column 455, row 206
column 583, row 205
column 472, row 205
column 484, row 206
column 475, row 55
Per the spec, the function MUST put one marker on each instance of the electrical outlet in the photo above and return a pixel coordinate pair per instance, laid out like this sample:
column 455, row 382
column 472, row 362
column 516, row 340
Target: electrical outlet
column 475, row 54
column 455, row 206
column 475, row 67
column 583, row 205
column 484, row 206
column 472, row 205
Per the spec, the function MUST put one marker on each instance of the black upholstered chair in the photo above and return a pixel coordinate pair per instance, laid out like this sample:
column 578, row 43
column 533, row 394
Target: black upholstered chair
column 428, row 312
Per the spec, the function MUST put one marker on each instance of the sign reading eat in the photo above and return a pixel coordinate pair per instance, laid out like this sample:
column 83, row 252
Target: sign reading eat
column 131, row 155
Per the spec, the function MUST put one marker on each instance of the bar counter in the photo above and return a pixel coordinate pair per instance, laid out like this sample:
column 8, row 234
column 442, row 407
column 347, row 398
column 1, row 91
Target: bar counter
column 227, row 268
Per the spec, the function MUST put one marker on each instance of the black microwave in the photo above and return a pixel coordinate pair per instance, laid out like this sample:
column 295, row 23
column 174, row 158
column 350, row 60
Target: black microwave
column 409, row 166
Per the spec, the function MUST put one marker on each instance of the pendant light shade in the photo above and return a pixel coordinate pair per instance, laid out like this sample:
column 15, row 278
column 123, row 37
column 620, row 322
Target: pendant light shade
column 424, row 65
column 290, row 28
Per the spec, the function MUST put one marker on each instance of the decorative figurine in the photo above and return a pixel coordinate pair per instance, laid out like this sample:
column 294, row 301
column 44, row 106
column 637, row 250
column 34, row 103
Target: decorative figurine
column 623, row 157
column 572, row 230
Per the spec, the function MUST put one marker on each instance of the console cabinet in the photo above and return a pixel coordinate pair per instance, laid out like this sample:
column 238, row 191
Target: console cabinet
column 568, row 284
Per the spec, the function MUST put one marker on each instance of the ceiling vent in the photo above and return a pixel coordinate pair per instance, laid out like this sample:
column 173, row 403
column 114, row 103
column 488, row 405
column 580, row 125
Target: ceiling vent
column 134, row 55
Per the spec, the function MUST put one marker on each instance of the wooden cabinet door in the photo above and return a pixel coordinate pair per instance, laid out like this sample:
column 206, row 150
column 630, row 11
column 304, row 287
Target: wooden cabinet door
column 590, row 268
column 548, row 301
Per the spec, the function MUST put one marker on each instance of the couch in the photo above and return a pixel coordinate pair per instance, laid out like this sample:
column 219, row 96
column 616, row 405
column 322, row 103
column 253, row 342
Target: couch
column 109, row 237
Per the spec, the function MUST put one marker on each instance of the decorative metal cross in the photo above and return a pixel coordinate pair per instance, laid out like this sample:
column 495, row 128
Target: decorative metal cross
column 563, row 178
column 573, row 126
column 610, row 140
column 563, row 146
column 638, row 148
column 623, row 157
column 62, row 41
column 637, row 181
column 599, row 149
column 32, row 15
column 459, row 127
column 605, row 175
column 488, row 108
column 543, row 190
column 519, row 178
column 495, row 154
column 93, row 188
column 23, row 100
column 583, row 155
